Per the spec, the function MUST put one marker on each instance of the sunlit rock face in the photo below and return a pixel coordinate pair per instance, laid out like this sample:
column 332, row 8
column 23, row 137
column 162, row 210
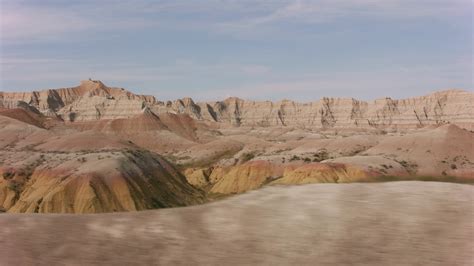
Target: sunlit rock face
column 92, row 100
column 453, row 106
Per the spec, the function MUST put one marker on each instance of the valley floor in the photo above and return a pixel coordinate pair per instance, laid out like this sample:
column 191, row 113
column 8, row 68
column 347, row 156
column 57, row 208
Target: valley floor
column 393, row 223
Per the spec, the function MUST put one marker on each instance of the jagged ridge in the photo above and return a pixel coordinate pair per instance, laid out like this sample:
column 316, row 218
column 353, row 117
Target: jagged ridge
column 92, row 100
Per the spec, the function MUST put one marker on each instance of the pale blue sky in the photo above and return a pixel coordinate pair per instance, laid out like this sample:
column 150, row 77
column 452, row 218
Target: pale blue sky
column 212, row 49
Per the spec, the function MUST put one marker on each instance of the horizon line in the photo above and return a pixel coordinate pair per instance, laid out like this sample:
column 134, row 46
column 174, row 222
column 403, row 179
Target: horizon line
column 241, row 98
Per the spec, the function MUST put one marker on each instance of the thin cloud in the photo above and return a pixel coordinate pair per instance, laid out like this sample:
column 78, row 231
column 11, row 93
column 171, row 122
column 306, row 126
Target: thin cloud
column 319, row 11
column 45, row 22
column 24, row 24
column 365, row 85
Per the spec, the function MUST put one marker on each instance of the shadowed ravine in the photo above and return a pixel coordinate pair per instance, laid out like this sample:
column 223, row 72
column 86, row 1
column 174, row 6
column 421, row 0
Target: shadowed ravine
column 396, row 223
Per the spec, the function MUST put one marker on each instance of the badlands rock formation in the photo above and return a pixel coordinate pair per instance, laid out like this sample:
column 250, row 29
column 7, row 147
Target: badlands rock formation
column 83, row 172
column 453, row 106
column 396, row 223
column 325, row 173
column 92, row 100
column 285, row 157
column 93, row 148
column 247, row 176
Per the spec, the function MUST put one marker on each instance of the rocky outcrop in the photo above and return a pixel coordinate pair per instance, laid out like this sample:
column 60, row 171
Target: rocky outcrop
column 89, row 101
column 254, row 174
column 198, row 177
column 25, row 116
column 325, row 173
column 95, row 182
column 247, row 176
column 83, row 172
column 450, row 106
column 92, row 100
column 237, row 178
column 118, row 111
column 97, row 108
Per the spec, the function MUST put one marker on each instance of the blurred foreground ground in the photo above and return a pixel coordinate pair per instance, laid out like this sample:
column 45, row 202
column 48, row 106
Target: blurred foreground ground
column 396, row 223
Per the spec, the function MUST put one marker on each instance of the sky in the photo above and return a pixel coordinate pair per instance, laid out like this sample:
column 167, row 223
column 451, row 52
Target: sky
column 262, row 50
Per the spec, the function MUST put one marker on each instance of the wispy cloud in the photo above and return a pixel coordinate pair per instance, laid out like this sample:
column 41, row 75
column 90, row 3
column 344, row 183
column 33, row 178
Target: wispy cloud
column 320, row 11
column 51, row 22
column 210, row 49
column 368, row 84
column 24, row 23
column 20, row 23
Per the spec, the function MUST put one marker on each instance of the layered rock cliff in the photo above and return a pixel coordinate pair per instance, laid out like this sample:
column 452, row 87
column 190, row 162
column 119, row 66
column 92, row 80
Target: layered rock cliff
column 450, row 106
column 92, row 100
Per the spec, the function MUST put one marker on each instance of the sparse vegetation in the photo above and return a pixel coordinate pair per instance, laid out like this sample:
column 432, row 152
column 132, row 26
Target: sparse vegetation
column 8, row 175
column 321, row 155
column 410, row 167
column 295, row 158
column 14, row 186
column 247, row 156
column 358, row 149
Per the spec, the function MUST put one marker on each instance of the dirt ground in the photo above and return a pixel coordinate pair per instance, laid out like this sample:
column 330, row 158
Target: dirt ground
column 396, row 223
